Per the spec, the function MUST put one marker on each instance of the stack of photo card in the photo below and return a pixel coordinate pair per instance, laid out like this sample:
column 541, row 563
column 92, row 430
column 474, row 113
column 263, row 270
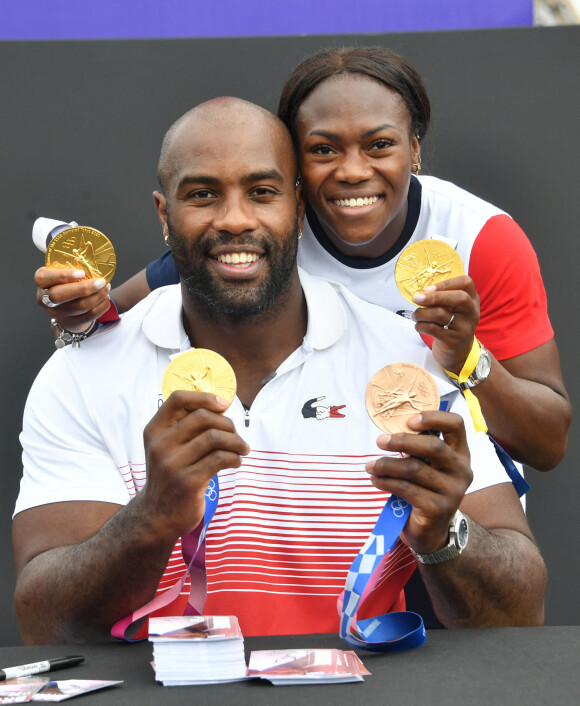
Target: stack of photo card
column 306, row 666
column 197, row 649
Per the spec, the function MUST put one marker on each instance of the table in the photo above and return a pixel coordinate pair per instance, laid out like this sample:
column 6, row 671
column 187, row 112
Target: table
column 520, row 666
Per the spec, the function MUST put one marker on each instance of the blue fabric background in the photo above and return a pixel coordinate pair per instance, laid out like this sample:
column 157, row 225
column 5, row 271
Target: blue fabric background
column 128, row 19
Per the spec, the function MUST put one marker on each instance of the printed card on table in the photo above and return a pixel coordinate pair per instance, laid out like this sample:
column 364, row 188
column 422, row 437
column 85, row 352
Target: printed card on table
column 68, row 688
column 21, row 690
column 311, row 666
column 194, row 627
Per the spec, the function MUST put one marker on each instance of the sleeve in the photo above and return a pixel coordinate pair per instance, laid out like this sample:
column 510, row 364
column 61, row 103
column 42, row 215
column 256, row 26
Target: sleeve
column 64, row 456
column 162, row 271
column 514, row 310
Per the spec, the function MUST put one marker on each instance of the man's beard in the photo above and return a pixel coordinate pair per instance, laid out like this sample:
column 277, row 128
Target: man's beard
column 236, row 298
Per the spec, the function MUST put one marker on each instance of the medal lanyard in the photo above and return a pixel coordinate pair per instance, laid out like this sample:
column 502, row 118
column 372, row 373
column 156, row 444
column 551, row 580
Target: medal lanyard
column 397, row 630
column 193, row 551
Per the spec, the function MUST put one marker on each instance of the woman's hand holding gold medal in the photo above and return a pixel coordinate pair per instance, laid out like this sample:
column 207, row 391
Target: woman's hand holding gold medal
column 449, row 312
column 430, row 274
column 76, row 302
column 73, row 286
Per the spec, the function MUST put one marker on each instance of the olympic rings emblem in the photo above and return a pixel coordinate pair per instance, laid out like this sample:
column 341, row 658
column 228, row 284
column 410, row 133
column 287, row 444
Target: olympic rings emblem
column 211, row 492
column 398, row 507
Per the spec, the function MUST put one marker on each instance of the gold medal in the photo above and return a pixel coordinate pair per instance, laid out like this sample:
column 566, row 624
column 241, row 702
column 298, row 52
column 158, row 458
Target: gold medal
column 424, row 263
column 200, row 370
column 397, row 392
column 83, row 248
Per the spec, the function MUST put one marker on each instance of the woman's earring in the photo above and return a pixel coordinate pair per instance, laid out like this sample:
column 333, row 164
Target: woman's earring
column 417, row 166
column 166, row 238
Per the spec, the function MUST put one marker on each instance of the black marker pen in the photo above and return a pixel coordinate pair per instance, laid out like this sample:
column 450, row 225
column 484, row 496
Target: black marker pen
column 49, row 665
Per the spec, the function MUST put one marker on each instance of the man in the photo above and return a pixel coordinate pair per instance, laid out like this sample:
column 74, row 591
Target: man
column 93, row 541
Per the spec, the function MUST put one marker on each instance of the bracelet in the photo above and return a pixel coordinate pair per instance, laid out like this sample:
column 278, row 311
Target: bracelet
column 467, row 370
column 469, row 365
column 66, row 337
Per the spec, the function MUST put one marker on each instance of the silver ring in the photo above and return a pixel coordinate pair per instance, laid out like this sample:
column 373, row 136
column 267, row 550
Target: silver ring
column 448, row 324
column 47, row 301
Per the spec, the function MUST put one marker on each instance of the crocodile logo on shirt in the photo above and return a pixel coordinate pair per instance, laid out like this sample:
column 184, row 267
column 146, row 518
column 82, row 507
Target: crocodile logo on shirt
column 313, row 410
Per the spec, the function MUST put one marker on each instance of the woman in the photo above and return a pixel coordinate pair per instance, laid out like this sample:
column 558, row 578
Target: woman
column 357, row 118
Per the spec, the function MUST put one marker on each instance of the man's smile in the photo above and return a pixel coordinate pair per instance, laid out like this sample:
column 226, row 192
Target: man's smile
column 237, row 264
column 237, row 258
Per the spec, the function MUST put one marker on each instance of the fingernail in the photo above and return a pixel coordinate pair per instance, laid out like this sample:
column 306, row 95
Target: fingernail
column 99, row 283
column 419, row 298
column 78, row 274
column 430, row 288
column 222, row 400
column 385, row 438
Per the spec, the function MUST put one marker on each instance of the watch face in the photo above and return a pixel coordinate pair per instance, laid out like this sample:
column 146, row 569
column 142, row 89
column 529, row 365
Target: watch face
column 462, row 533
column 483, row 366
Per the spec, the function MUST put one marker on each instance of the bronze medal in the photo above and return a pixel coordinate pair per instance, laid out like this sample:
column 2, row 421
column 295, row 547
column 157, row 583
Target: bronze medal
column 83, row 248
column 397, row 392
column 200, row 370
column 424, row 263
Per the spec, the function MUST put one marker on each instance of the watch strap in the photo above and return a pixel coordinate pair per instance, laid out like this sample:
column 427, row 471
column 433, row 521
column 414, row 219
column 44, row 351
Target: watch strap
column 451, row 551
column 440, row 557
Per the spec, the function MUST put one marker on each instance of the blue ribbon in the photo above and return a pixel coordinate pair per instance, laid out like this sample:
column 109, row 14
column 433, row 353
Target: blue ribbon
column 400, row 630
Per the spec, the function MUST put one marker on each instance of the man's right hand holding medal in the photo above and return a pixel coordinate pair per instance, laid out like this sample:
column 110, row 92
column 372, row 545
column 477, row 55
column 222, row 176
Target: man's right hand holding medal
column 186, row 443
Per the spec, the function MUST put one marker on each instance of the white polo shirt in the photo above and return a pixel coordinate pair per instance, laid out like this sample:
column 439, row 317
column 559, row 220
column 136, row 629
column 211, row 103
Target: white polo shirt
column 293, row 516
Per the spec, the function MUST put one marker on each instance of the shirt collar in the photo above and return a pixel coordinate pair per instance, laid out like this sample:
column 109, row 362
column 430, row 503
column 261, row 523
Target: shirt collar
column 163, row 323
column 327, row 322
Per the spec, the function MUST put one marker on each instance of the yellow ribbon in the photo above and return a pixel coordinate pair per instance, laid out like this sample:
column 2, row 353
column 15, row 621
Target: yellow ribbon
column 472, row 401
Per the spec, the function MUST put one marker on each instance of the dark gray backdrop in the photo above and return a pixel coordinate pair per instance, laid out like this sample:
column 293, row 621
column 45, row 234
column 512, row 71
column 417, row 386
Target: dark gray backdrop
column 82, row 124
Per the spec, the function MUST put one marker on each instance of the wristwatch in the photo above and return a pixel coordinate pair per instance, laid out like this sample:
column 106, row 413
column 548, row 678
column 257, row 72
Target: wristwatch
column 458, row 536
column 481, row 372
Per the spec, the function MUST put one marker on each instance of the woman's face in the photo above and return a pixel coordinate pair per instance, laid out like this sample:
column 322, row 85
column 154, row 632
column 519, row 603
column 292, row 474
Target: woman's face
column 356, row 155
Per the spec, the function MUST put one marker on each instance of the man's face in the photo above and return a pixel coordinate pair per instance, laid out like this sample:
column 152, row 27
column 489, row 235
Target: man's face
column 232, row 216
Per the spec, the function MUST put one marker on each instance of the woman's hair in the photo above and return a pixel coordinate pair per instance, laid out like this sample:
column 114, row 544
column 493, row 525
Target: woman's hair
column 378, row 63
